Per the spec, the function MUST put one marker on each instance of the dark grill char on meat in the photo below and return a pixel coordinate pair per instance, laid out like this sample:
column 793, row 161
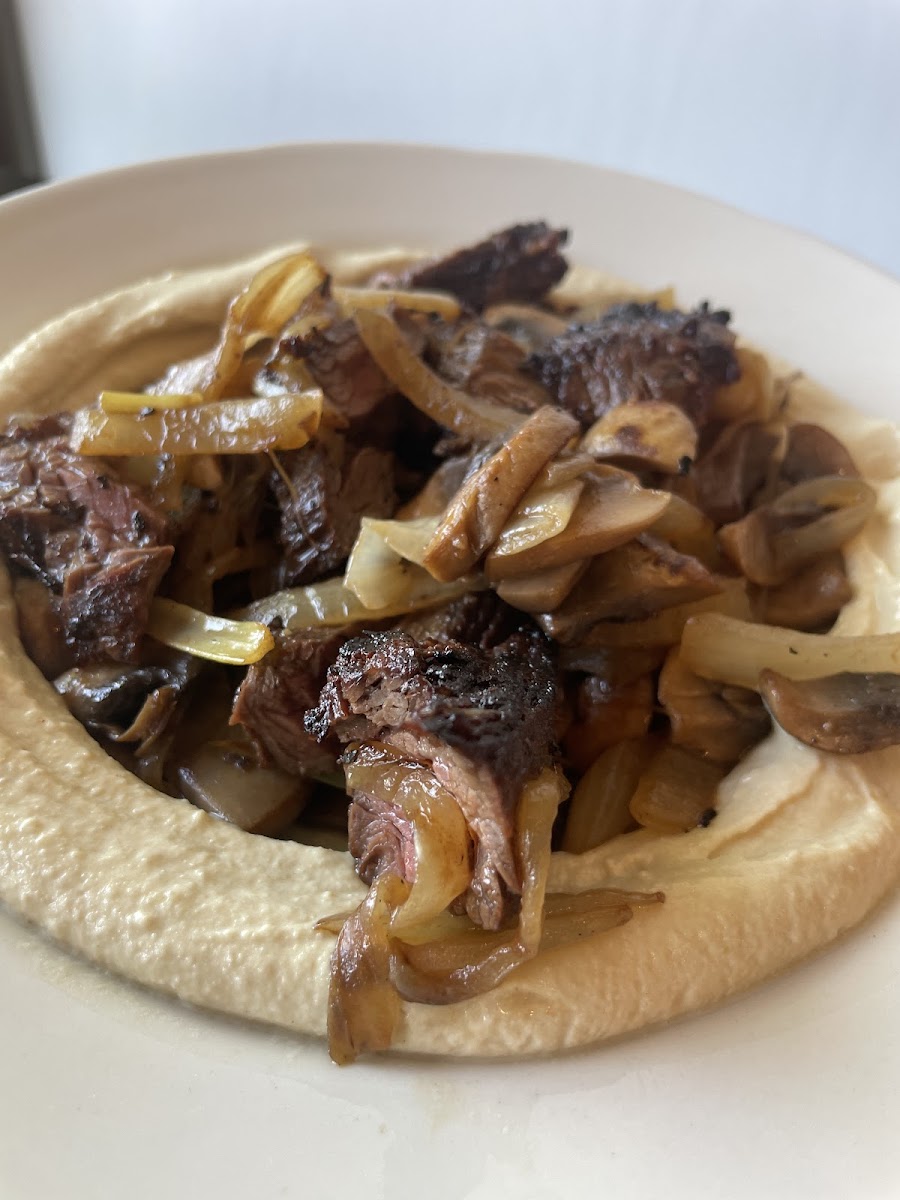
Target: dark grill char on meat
column 640, row 352
column 332, row 486
column 481, row 719
column 521, row 263
column 91, row 539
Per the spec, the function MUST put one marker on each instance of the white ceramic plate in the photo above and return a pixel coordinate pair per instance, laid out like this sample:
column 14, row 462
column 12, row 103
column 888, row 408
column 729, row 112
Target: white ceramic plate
column 110, row 1091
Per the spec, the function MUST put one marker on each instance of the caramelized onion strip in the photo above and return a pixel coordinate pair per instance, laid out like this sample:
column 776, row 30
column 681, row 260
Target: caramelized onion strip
column 494, row 956
column 470, row 416
column 363, row 1006
column 379, row 565
column 442, row 843
column 331, row 603
column 224, row 427
column 260, row 311
column 214, row 638
column 736, row 652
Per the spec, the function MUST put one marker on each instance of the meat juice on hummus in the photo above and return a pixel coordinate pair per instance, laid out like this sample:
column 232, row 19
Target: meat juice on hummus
column 451, row 563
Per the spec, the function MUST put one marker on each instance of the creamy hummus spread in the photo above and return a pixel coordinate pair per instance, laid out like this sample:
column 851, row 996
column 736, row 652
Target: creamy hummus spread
column 804, row 845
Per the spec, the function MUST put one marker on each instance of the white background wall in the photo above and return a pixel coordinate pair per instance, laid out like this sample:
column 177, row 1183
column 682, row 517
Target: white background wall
column 788, row 108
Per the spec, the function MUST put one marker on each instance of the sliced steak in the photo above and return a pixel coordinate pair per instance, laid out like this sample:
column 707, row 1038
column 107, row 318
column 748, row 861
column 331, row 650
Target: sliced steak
column 90, row 538
column 483, row 361
column 276, row 694
column 478, row 618
column 640, row 352
column 520, row 263
column 481, row 719
column 380, row 836
column 333, row 484
column 330, row 348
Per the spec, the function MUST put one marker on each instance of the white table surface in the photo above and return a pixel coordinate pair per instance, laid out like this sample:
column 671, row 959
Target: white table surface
column 786, row 108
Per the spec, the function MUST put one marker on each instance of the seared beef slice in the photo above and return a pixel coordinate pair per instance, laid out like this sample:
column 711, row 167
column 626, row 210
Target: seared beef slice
column 640, row 352
column 276, row 694
column 332, row 486
column 482, row 720
column 520, row 263
column 89, row 537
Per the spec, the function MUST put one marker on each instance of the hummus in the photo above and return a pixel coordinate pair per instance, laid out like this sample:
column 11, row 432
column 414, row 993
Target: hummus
column 804, row 845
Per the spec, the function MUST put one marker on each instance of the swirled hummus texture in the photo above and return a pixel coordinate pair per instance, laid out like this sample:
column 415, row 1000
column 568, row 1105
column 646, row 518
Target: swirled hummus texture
column 805, row 843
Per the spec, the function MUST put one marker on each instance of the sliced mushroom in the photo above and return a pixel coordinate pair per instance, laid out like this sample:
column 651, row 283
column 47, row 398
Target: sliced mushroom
column 542, row 513
column 811, row 600
column 689, row 531
column 844, row 714
column 735, row 466
column 41, row 626
column 753, row 395
column 109, row 696
column 813, row 452
column 677, row 791
column 646, row 436
column 606, row 713
column 720, row 722
column 487, row 498
column 542, row 591
column 628, row 583
column 612, row 510
column 226, row 782
column 805, row 523
column 666, row 628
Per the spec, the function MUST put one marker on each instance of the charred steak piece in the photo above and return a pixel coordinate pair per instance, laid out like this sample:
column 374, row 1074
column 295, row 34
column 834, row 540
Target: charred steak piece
column 640, row 352
column 330, row 347
column 276, row 694
column 482, row 720
column 520, row 263
column 483, row 361
column 90, row 538
column 479, row 618
column 333, row 484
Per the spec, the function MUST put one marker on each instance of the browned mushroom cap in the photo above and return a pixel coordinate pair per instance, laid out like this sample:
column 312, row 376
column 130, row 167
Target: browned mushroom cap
column 677, row 791
column 612, row 510
column 531, row 327
column 735, row 466
column 689, row 531
column 804, row 524
column 628, row 583
column 720, row 722
column 541, row 591
column 809, row 601
column 845, row 714
column 666, row 628
column 651, row 435
column 486, row 499
column 813, row 452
